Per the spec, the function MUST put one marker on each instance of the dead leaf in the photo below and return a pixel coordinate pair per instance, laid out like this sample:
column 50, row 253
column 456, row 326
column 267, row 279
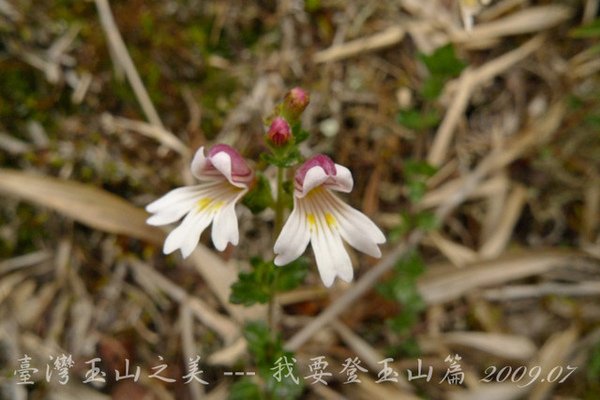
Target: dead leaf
column 87, row 204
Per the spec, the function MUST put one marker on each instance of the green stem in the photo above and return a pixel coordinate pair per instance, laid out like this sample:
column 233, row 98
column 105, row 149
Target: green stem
column 279, row 208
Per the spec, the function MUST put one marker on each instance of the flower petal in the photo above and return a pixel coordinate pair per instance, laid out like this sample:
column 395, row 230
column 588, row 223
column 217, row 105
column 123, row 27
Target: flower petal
column 355, row 227
column 225, row 227
column 171, row 215
column 222, row 162
column 174, row 197
column 330, row 254
column 342, row 181
column 314, row 177
column 294, row 237
column 177, row 236
column 199, row 164
column 200, row 221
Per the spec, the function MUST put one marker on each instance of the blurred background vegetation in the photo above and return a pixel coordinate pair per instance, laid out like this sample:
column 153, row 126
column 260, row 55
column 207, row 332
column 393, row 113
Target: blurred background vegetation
column 478, row 153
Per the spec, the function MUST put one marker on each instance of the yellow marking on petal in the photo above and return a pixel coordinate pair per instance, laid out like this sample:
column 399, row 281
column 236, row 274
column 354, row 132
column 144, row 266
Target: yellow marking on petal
column 217, row 205
column 209, row 204
column 311, row 220
column 204, row 203
column 330, row 219
column 313, row 192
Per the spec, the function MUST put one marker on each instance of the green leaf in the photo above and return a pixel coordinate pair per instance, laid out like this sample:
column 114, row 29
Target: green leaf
column 290, row 276
column 417, row 120
column 402, row 228
column 409, row 348
column 266, row 279
column 443, row 62
column 285, row 160
column 590, row 30
column 416, row 174
column 255, row 286
column 416, row 190
column 312, row 5
column 300, row 135
column 266, row 350
column 245, row 389
column 247, row 292
column 593, row 364
column 411, row 265
column 402, row 287
column 416, row 168
column 260, row 343
column 402, row 322
column 427, row 221
column 259, row 197
column 433, row 86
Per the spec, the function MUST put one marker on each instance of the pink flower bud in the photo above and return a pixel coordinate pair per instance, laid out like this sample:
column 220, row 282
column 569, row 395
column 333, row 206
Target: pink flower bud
column 279, row 133
column 295, row 102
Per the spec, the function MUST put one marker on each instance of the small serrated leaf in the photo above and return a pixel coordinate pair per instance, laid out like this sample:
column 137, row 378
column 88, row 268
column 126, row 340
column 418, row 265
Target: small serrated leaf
column 290, row 276
column 417, row 120
column 245, row 389
column 443, row 62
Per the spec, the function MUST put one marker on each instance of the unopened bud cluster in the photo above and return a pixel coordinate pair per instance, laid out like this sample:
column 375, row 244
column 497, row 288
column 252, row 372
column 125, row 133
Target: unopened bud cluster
column 288, row 113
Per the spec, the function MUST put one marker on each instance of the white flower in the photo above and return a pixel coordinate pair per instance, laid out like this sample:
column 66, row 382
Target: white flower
column 321, row 218
column 225, row 176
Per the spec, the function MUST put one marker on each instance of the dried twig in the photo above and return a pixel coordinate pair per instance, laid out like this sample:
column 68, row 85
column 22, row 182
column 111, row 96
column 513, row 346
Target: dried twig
column 115, row 41
column 381, row 40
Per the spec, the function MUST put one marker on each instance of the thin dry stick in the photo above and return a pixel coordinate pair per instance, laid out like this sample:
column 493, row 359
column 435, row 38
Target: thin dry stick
column 116, row 43
column 378, row 41
column 189, row 347
column 153, row 131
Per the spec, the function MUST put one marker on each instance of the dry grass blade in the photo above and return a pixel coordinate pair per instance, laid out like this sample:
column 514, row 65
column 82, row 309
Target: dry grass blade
column 458, row 254
column 24, row 261
column 190, row 347
column 76, row 392
column 87, row 204
column 369, row 389
column 591, row 219
column 511, row 347
column 514, row 292
column 366, row 352
column 13, row 145
column 202, row 311
column 156, row 132
column 553, row 354
column 220, row 275
column 532, row 19
column 118, row 47
column 229, row 355
column 498, row 391
column 443, row 284
column 502, row 233
column 381, row 40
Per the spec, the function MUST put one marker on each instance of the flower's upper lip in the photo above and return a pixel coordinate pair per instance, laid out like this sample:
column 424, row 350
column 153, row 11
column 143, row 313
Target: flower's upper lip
column 222, row 162
column 322, row 171
column 320, row 160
